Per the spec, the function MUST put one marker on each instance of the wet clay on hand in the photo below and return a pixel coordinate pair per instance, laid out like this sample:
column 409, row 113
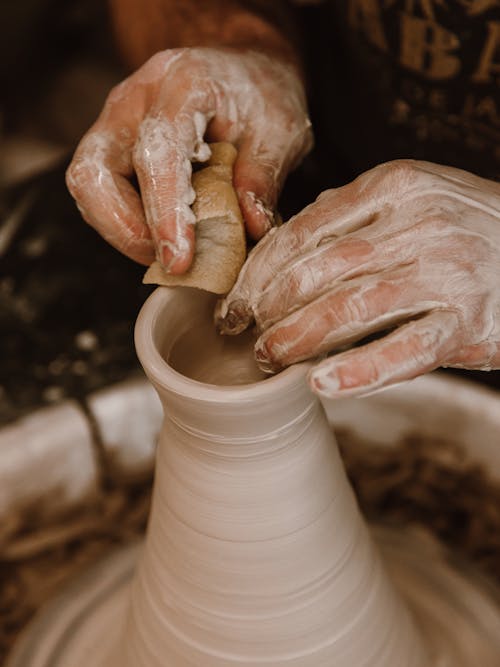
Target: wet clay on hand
column 220, row 249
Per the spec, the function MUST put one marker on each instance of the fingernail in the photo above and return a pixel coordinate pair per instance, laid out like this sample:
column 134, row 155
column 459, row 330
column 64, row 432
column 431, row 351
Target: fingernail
column 324, row 382
column 232, row 318
column 266, row 215
column 171, row 254
column 166, row 255
column 262, row 358
column 339, row 382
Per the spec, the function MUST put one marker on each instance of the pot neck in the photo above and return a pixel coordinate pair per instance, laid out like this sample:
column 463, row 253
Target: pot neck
column 240, row 412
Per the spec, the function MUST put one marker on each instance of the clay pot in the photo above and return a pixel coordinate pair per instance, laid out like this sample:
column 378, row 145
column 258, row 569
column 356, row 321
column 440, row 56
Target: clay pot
column 256, row 553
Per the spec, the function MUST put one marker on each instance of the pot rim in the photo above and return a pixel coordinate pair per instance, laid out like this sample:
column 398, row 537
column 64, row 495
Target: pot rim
column 162, row 374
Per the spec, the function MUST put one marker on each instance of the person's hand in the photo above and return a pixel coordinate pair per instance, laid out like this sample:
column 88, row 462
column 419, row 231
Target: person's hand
column 154, row 125
column 410, row 248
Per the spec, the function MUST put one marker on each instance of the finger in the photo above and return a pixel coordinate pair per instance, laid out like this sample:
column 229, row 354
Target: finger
column 347, row 313
column 259, row 173
column 411, row 350
column 313, row 274
column 98, row 179
column 333, row 214
column 162, row 158
column 264, row 160
column 256, row 181
column 377, row 248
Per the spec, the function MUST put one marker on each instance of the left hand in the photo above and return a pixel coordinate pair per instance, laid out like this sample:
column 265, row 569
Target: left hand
column 409, row 246
column 155, row 124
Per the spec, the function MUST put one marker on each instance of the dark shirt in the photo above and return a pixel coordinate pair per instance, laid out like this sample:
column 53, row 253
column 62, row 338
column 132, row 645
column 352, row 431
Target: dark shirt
column 406, row 78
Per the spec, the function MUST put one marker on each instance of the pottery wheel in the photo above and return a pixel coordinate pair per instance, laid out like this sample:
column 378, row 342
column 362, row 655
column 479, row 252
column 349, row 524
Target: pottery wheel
column 458, row 614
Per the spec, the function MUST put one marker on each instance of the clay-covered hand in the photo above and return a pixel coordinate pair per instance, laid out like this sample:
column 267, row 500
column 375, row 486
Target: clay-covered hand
column 154, row 125
column 411, row 249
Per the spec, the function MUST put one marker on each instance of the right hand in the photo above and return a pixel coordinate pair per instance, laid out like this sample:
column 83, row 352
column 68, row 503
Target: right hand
column 410, row 250
column 153, row 126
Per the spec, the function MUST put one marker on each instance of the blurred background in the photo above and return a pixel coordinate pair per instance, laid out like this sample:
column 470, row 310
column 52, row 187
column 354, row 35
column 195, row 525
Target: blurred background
column 67, row 301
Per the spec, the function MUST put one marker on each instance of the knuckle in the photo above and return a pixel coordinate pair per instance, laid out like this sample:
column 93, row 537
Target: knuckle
column 402, row 167
column 81, row 173
column 157, row 142
column 396, row 175
column 117, row 93
column 389, row 168
column 433, row 224
column 355, row 308
column 475, row 251
column 161, row 57
column 77, row 177
column 87, row 165
column 325, row 196
column 323, row 203
column 156, row 64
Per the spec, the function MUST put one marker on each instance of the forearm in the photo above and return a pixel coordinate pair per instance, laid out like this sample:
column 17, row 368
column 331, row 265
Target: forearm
column 146, row 27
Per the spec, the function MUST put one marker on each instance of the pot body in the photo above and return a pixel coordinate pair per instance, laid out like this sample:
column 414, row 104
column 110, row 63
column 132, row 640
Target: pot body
column 256, row 553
